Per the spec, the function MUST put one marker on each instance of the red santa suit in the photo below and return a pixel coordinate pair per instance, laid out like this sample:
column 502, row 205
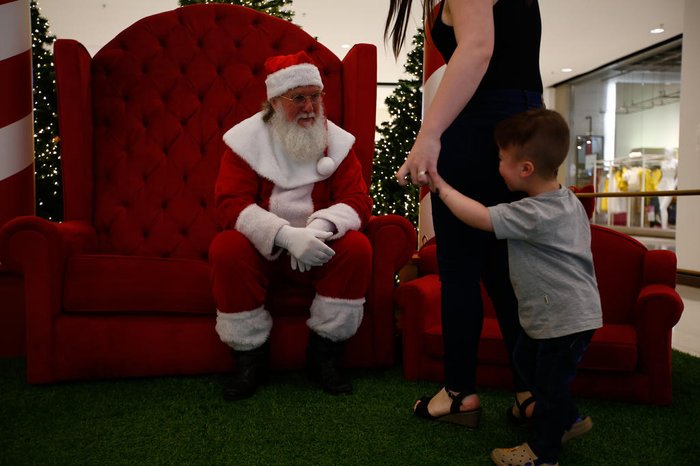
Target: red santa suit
column 259, row 190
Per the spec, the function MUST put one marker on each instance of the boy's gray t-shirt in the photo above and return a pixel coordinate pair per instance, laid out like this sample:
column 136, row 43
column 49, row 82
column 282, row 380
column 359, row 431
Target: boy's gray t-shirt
column 551, row 264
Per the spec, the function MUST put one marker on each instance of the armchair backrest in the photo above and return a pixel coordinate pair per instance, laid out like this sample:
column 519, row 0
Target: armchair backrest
column 623, row 267
column 141, row 122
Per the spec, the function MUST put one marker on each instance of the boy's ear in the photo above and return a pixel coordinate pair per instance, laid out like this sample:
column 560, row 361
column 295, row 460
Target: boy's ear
column 526, row 169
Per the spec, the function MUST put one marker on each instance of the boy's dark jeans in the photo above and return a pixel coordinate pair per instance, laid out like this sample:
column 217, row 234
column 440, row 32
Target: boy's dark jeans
column 548, row 366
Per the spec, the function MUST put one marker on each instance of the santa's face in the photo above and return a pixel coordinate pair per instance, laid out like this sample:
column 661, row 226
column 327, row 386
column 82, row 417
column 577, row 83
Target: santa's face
column 300, row 105
column 300, row 128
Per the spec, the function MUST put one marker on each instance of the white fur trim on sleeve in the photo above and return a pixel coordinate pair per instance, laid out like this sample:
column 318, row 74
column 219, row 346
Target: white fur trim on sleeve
column 334, row 318
column 341, row 215
column 244, row 331
column 260, row 227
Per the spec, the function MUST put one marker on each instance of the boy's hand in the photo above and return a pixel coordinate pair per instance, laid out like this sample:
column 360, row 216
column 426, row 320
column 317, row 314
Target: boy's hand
column 435, row 182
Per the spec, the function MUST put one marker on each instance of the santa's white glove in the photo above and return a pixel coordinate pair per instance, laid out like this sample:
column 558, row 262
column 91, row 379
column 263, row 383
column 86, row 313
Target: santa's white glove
column 305, row 244
column 323, row 225
column 297, row 264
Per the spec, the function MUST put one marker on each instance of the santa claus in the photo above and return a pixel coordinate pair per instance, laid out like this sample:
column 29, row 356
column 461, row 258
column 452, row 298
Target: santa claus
column 291, row 198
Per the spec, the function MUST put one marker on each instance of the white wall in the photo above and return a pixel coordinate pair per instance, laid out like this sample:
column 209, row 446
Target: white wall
column 656, row 127
column 688, row 220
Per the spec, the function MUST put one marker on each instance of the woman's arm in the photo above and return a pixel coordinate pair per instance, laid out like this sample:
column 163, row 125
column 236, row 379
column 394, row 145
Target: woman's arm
column 473, row 26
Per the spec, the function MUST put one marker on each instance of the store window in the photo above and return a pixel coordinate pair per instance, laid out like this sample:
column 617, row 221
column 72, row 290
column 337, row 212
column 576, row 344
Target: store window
column 625, row 124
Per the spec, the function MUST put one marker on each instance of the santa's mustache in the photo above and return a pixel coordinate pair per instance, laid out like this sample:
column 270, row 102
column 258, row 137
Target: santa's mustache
column 303, row 115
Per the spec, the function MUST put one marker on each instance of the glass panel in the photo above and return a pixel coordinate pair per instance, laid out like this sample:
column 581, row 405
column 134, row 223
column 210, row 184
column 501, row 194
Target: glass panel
column 626, row 118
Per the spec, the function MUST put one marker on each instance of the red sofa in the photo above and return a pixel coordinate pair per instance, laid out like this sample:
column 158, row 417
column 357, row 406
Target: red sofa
column 629, row 357
column 121, row 286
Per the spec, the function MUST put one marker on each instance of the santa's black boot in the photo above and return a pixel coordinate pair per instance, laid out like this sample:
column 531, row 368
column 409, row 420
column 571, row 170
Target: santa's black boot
column 251, row 372
column 322, row 364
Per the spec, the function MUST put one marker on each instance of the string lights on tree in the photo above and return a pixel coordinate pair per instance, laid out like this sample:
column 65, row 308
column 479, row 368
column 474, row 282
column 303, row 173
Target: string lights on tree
column 396, row 139
column 47, row 163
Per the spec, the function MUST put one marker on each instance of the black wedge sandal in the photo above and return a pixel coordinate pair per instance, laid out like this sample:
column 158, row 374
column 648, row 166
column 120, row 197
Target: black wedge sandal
column 522, row 418
column 468, row 419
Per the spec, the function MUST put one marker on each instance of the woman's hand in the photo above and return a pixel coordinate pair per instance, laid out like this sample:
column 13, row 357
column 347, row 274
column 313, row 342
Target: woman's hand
column 421, row 162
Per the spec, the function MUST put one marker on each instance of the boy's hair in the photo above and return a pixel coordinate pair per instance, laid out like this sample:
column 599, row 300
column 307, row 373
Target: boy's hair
column 539, row 135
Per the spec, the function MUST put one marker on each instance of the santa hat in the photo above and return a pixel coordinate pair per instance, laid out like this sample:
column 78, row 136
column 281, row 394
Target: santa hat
column 285, row 72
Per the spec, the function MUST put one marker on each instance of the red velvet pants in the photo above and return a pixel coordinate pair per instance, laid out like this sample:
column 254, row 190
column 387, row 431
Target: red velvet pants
column 241, row 276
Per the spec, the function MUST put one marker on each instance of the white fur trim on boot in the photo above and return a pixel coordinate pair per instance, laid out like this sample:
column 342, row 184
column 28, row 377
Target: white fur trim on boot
column 334, row 318
column 244, row 331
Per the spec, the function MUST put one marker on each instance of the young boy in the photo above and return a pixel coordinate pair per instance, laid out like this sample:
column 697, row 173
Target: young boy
column 551, row 267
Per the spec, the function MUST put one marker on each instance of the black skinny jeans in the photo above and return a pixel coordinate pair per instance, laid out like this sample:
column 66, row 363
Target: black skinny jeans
column 469, row 162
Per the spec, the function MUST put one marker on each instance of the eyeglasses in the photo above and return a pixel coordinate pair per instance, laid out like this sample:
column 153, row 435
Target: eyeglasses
column 300, row 100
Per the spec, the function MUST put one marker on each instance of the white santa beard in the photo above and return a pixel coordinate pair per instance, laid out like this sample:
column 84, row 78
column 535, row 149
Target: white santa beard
column 303, row 144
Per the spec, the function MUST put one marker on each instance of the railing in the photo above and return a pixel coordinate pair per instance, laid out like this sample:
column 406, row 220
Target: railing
column 686, row 277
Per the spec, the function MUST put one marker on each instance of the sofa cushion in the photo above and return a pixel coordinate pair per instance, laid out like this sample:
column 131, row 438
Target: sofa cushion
column 613, row 348
column 109, row 283
column 131, row 284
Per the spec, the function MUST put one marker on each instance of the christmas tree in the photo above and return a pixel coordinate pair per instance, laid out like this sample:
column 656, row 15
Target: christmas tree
column 271, row 7
column 396, row 139
column 49, row 196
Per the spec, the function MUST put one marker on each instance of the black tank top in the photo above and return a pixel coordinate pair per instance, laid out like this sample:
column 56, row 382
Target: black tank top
column 515, row 63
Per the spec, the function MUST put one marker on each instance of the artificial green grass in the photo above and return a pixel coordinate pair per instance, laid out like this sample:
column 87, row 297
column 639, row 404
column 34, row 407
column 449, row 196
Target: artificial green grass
column 183, row 420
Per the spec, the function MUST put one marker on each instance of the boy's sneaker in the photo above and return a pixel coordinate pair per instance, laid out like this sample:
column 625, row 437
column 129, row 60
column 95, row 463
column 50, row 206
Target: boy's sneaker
column 521, row 455
column 578, row 428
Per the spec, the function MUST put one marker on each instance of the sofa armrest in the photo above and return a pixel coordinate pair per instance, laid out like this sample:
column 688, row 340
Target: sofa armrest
column 38, row 249
column 22, row 237
column 658, row 309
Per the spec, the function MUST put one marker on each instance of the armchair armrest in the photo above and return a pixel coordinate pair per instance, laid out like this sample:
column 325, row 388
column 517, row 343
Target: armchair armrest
column 658, row 309
column 393, row 240
column 38, row 249
column 418, row 302
column 659, row 267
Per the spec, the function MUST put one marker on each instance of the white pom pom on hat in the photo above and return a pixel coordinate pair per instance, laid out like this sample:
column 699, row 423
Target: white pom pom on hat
column 285, row 72
column 325, row 166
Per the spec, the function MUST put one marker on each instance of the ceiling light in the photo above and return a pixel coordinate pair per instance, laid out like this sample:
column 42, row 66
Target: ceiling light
column 567, row 70
column 345, row 46
column 657, row 30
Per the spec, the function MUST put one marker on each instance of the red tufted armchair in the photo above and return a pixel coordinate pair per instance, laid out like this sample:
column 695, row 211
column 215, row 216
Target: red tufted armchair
column 629, row 358
column 121, row 286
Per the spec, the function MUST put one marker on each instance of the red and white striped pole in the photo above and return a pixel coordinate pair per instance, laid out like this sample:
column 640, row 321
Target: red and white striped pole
column 16, row 119
column 433, row 69
column 16, row 156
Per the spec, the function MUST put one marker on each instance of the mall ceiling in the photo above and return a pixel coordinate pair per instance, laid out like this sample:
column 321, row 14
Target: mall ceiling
column 579, row 34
